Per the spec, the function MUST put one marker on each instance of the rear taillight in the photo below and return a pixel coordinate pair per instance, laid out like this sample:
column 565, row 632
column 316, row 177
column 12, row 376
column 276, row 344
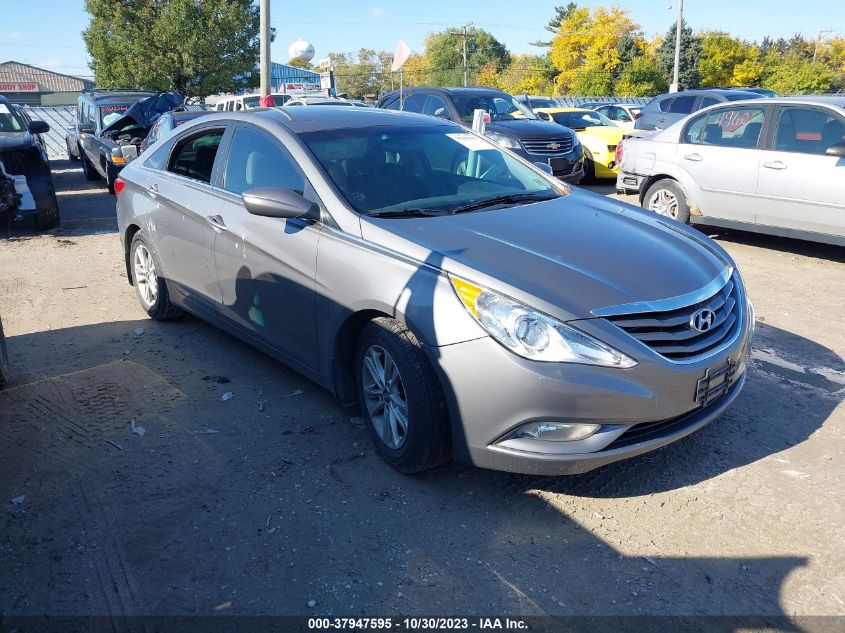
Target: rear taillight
column 119, row 184
column 619, row 152
column 637, row 115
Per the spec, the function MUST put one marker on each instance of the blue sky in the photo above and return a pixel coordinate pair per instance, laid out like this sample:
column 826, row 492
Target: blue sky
column 47, row 32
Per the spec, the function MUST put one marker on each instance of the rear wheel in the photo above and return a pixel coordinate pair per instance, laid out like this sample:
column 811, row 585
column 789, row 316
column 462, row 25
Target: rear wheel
column 401, row 398
column 87, row 168
column 665, row 197
column 149, row 287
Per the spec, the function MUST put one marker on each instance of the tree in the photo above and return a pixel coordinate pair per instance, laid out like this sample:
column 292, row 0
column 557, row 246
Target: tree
column 196, row 47
column 720, row 56
column 361, row 74
column 690, row 54
column 586, row 52
column 561, row 13
column 301, row 62
column 794, row 74
column 444, row 54
column 641, row 78
column 526, row 74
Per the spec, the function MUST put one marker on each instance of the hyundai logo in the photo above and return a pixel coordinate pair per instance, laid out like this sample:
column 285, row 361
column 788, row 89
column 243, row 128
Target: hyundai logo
column 702, row 320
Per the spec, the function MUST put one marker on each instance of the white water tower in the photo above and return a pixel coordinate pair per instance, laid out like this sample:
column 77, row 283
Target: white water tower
column 301, row 49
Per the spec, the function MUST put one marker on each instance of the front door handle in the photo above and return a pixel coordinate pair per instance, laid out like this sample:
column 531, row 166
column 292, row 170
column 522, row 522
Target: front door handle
column 777, row 164
column 216, row 223
column 693, row 157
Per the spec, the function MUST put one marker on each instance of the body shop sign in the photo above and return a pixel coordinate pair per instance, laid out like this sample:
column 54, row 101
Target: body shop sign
column 18, row 87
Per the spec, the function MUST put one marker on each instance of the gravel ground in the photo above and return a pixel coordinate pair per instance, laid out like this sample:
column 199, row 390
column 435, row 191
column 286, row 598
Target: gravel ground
column 274, row 500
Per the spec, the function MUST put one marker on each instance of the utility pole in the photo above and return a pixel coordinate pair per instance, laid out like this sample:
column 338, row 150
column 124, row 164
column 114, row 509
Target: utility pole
column 676, row 83
column 465, row 54
column 821, row 37
column 264, row 23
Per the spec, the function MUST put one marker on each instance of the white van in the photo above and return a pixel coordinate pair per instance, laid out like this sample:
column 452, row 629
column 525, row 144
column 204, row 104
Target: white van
column 233, row 103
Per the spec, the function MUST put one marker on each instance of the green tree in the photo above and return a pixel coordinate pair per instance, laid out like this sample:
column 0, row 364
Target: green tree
column 690, row 54
column 196, row 47
column 362, row 73
column 301, row 62
column 526, row 74
column 795, row 74
column 444, row 54
column 561, row 13
column 641, row 78
column 720, row 56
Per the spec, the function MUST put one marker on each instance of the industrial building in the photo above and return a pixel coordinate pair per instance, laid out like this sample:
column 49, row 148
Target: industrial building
column 29, row 85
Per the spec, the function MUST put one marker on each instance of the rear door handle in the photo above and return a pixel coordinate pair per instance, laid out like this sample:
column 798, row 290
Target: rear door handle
column 216, row 223
column 693, row 157
column 777, row 164
column 153, row 189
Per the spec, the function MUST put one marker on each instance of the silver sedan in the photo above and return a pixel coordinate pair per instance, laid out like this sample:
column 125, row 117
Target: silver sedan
column 473, row 306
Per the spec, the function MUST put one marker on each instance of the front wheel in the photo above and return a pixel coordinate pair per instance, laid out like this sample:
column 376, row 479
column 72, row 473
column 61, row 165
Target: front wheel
column 401, row 398
column 87, row 168
column 665, row 197
column 149, row 287
column 70, row 154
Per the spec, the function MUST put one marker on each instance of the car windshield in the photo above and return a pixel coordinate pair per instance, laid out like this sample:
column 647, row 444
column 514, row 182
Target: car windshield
column 381, row 170
column 500, row 106
column 581, row 119
column 111, row 113
column 8, row 121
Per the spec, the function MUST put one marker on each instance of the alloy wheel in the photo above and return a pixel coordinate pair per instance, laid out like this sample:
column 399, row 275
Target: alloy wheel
column 384, row 397
column 145, row 276
column 664, row 202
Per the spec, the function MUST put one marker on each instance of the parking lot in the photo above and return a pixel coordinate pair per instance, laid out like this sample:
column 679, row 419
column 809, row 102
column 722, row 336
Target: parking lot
column 274, row 502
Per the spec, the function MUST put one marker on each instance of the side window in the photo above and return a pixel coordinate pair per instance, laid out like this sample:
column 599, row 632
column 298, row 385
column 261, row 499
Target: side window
column 414, row 103
column 194, row 156
column 695, row 129
column 392, row 103
column 435, row 106
column 666, row 104
column 807, row 130
column 682, row 105
column 219, row 107
column 238, row 105
column 619, row 114
column 728, row 127
column 259, row 160
column 708, row 101
column 606, row 111
column 158, row 159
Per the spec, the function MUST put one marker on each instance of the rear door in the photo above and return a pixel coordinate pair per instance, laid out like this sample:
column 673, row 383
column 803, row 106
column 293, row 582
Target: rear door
column 800, row 187
column 719, row 151
column 187, row 206
column 266, row 266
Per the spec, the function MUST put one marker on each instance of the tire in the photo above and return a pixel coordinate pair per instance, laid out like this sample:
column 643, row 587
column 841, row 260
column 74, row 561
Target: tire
column 425, row 441
column 4, row 359
column 70, row 154
column 665, row 197
column 152, row 290
column 110, row 177
column 48, row 217
column 589, row 168
column 87, row 168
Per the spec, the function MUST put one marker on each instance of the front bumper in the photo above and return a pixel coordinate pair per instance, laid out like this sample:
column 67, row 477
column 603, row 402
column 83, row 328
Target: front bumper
column 491, row 392
column 568, row 167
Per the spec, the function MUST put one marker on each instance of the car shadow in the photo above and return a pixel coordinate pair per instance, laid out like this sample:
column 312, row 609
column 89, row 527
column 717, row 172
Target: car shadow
column 775, row 243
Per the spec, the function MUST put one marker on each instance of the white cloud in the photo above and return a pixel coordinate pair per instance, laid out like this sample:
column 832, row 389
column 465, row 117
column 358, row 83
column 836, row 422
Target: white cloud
column 377, row 10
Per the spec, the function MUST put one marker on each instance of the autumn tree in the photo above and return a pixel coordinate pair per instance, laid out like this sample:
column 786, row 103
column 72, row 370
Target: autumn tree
column 586, row 52
column 196, row 47
column 642, row 77
column 721, row 54
column 526, row 74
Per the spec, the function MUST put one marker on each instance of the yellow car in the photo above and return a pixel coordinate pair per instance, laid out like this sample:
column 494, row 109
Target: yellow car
column 597, row 134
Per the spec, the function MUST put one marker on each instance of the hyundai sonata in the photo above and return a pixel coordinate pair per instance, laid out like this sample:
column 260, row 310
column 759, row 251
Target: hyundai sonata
column 473, row 306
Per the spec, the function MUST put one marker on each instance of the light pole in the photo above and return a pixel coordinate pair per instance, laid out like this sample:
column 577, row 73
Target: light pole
column 676, row 82
column 264, row 28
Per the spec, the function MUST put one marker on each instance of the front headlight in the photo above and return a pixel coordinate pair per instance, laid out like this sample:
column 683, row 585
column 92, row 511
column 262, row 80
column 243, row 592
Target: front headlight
column 503, row 141
column 532, row 334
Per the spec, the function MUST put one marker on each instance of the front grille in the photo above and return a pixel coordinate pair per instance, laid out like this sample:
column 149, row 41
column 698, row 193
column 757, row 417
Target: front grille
column 547, row 146
column 670, row 333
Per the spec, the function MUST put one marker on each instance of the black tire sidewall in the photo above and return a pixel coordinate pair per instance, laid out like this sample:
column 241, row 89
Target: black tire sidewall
column 677, row 191
column 423, row 414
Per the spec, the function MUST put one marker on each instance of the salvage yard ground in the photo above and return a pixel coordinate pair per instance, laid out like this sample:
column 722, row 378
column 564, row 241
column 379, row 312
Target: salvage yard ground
column 274, row 500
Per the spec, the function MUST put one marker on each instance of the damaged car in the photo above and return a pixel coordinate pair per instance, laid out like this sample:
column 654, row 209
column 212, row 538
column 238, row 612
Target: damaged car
column 112, row 126
column 26, row 183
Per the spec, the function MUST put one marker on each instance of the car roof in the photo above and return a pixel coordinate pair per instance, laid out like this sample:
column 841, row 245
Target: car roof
column 824, row 100
column 299, row 120
column 104, row 98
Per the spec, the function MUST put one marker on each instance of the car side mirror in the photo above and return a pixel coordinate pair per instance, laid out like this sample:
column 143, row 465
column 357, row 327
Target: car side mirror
column 837, row 149
column 545, row 167
column 277, row 202
column 38, row 127
column 545, row 116
column 441, row 113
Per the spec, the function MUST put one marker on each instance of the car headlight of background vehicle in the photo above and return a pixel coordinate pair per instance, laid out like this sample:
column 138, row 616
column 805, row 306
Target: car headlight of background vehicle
column 532, row 334
column 502, row 140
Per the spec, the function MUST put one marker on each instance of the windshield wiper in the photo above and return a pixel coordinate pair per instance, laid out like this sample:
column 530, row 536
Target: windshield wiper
column 505, row 199
column 406, row 213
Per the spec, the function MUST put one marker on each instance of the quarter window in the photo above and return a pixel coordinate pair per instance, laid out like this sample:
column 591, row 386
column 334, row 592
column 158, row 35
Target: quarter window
column 257, row 160
column 808, row 131
column 194, row 157
column 414, row 103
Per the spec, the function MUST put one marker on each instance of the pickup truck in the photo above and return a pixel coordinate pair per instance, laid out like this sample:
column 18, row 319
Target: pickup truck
column 110, row 127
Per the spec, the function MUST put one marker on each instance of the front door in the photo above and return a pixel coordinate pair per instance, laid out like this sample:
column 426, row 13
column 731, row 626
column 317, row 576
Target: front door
column 719, row 152
column 800, row 187
column 266, row 266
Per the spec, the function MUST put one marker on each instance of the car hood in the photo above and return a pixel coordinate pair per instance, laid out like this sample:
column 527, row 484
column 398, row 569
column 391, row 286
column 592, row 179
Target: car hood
column 529, row 128
column 567, row 256
column 603, row 135
column 146, row 111
column 15, row 140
